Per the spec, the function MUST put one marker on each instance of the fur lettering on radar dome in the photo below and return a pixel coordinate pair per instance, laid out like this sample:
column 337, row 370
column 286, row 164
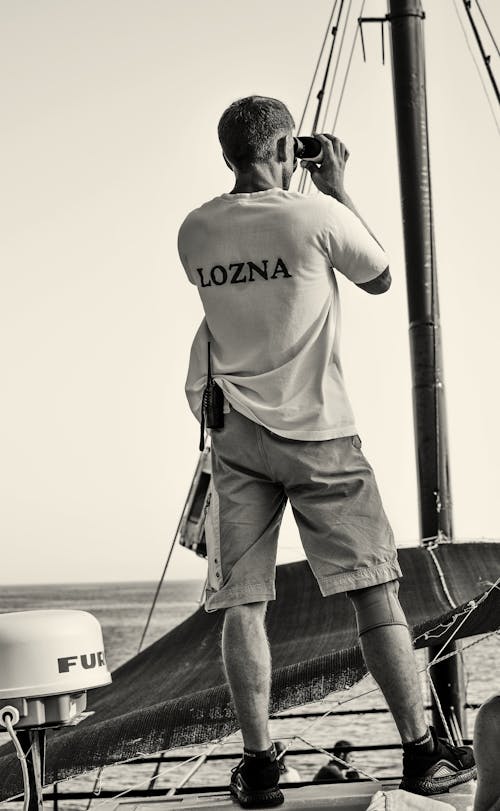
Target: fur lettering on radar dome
column 241, row 272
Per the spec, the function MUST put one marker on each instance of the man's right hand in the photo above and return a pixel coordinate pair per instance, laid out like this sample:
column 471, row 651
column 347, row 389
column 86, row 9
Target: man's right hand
column 328, row 177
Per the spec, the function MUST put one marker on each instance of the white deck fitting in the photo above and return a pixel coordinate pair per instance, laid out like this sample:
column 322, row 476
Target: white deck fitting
column 348, row 797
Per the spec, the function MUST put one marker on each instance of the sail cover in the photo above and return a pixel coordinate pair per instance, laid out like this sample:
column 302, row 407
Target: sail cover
column 175, row 693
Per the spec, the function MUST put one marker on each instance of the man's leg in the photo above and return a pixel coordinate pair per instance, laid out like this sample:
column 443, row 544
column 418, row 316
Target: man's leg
column 389, row 656
column 430, row 765
column 388, row 653
column 487, row 749
column 247, row 660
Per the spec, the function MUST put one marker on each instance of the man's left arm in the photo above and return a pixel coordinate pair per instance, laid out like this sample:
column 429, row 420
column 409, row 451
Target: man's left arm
column 382, row 282
column 328, row 177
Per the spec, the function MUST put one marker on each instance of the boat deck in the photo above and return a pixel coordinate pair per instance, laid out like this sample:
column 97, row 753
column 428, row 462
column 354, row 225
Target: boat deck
column 349, row 796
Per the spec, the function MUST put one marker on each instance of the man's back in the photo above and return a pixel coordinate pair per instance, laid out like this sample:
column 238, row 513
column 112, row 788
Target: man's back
column 262, row 263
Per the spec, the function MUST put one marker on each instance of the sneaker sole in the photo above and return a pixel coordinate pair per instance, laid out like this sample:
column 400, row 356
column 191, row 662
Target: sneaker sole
column 257, row 799
column 427, row 786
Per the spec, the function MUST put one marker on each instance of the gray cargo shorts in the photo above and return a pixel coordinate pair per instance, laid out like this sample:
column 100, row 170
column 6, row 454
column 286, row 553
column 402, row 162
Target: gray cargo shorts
column 332, row 490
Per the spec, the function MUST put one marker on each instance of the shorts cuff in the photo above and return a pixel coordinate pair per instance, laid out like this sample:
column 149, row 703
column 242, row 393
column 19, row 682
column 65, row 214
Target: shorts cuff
column 359, row 578
column 228, row 598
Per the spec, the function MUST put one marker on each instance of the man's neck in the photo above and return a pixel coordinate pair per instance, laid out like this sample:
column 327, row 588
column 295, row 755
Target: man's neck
column 261, row 178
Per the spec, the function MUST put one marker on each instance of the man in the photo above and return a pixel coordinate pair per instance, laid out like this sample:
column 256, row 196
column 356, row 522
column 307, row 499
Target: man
column 334, row 772
column 262, row 258
column 487, row 750
column 287, row 773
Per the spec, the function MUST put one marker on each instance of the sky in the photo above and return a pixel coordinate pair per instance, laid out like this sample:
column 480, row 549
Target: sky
column 109, row 117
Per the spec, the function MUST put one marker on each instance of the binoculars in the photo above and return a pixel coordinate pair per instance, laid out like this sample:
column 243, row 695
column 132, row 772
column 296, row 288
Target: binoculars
column 307, row 148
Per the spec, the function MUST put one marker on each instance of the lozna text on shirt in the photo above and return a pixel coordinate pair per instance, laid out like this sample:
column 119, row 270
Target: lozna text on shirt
column 241, row 272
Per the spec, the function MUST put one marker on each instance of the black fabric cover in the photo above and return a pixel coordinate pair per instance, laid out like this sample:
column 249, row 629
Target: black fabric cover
column 174, row 692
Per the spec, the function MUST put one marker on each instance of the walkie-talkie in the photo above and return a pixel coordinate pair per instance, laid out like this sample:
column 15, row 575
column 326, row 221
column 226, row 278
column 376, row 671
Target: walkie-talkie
column 212, row 406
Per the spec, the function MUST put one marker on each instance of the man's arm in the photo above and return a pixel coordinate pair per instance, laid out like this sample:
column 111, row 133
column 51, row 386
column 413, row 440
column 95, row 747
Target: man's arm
column 328, row 177
column 379, row 285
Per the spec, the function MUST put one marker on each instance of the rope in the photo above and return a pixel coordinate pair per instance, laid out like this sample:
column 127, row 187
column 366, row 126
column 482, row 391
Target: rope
column 466, row 614
column 442, row 579
column 467, row 610
column 7, row 722
column 490, row 105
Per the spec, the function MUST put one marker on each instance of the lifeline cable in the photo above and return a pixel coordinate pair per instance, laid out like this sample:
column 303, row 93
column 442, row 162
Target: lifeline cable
column 137, row 785
column 338, row 703
column 440, row 628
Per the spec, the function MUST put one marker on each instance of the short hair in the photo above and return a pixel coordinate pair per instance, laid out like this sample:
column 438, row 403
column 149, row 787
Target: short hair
column 248, row 129
column 342, row 748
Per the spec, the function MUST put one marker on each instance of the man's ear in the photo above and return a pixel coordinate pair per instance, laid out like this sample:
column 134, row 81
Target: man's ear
column 227, row 162
column 282, row 149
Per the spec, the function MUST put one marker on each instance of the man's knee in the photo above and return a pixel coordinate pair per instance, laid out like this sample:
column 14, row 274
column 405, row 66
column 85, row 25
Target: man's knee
column 488, row 719
column 242, row 614
column 377, row 606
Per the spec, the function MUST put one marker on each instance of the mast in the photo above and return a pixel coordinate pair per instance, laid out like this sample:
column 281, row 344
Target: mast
column 410, row 103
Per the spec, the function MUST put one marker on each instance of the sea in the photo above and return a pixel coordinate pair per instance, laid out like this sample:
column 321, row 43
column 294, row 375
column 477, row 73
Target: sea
column 123, row 608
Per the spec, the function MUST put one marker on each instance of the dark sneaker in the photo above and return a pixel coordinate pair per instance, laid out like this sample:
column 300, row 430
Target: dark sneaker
column 436, row 773
column 256, row 787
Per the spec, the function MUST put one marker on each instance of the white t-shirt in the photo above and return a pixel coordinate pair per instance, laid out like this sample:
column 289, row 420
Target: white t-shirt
column 263, row 264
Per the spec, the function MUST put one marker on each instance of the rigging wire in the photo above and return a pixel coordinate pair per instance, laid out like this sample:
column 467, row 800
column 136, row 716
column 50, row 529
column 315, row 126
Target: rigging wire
column 484, row 55
column 485, row 89
column 322, row 89
column 157, row 592
column 341, row 96
column 321, row 93
column 323, row 125
column 321, row 52
column 490, row 32
column 172, row 547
